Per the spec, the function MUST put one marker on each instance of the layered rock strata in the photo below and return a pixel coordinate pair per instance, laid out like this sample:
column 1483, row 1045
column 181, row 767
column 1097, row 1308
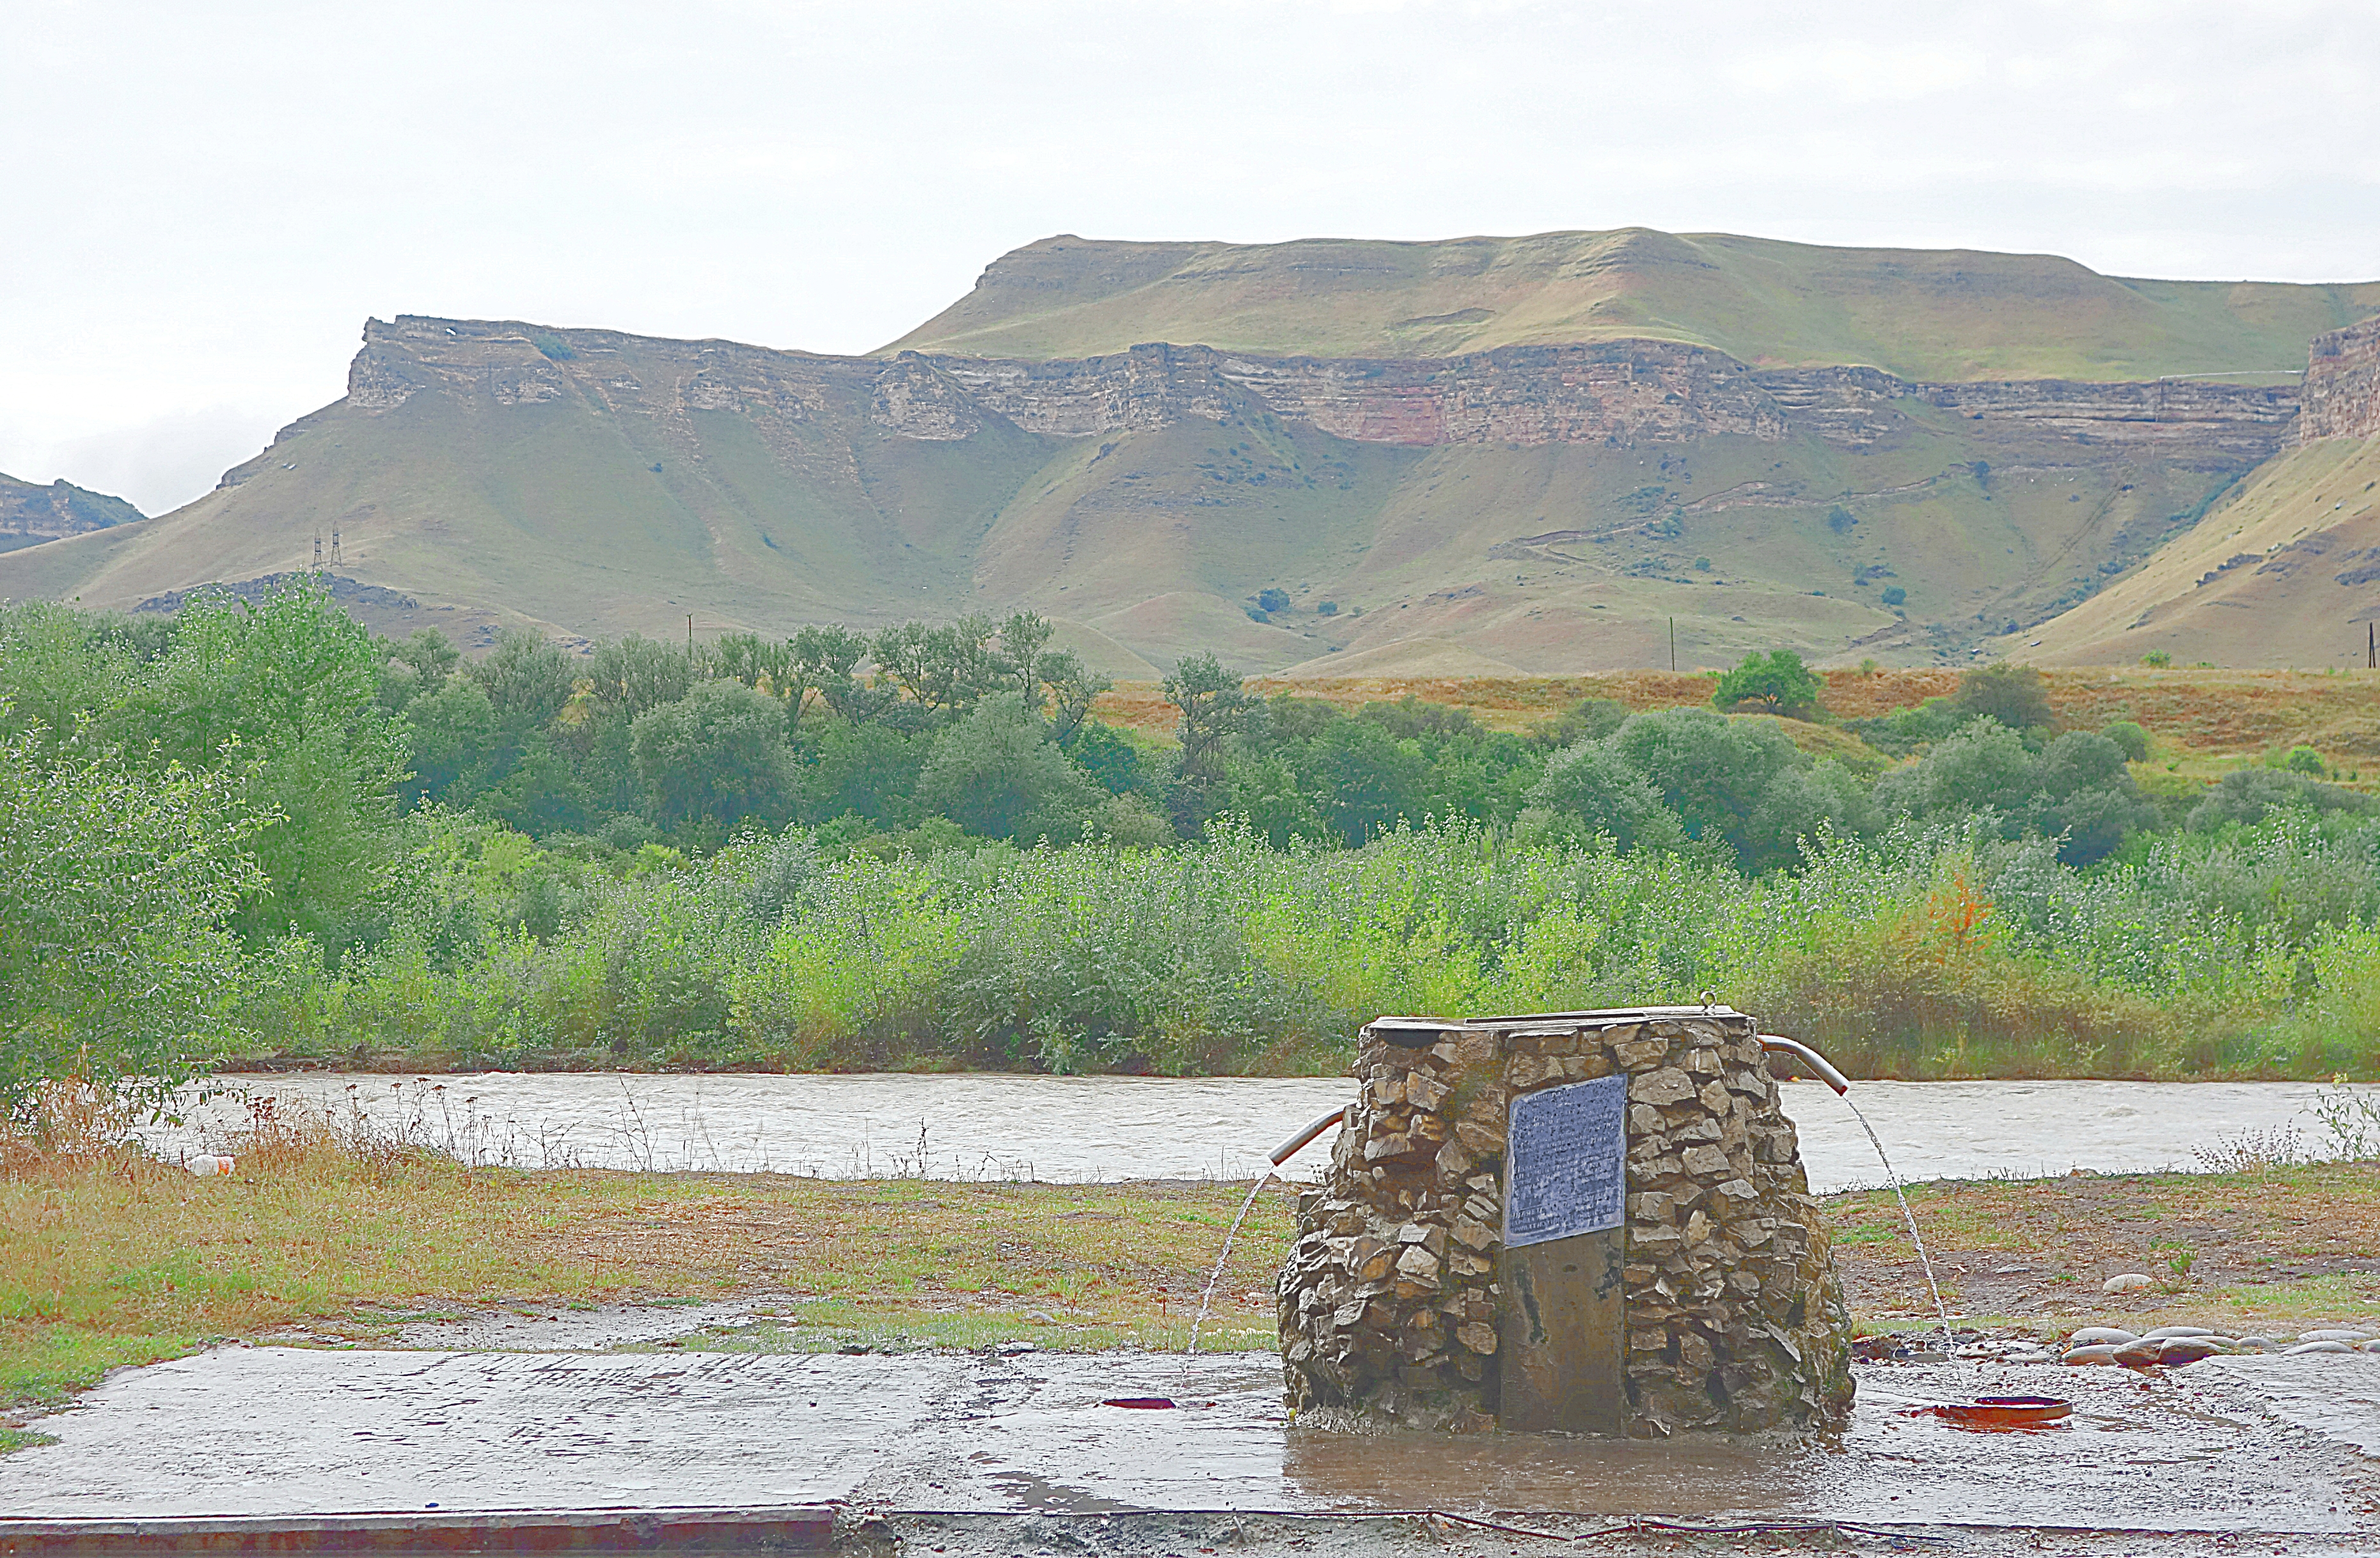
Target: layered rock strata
column 2342, row 384
column 1611, row 392
column 1397, row 1302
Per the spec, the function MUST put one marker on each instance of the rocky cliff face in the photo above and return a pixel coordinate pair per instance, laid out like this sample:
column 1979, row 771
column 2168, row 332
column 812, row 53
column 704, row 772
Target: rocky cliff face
column 2342, row 384
column 1527, row 396
column 1613, row 393
column 29, row 513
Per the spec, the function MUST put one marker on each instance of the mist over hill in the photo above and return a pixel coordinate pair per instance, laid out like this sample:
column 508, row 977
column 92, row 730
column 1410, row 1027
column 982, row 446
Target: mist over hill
column 1484, row 455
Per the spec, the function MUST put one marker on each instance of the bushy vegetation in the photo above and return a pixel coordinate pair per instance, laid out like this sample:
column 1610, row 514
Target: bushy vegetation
column 1925, row 952
column 924, row 848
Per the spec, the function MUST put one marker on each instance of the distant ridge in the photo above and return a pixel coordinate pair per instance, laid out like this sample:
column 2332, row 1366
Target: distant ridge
column 1948, row 315
column 31, row 514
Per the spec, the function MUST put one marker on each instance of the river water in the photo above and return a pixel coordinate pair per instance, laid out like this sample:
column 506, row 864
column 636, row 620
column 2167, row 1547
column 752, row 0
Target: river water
column 981, row 1125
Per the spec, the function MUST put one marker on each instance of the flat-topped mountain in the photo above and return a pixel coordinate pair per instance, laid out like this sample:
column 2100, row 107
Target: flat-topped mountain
column 1927, row 314
column 1541, row 504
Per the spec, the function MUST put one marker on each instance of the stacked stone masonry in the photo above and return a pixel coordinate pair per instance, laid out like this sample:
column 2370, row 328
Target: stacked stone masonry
column 1391, row 1299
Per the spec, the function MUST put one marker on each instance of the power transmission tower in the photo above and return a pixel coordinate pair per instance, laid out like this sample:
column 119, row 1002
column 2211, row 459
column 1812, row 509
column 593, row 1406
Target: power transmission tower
column 317, row 552
column 334, row 549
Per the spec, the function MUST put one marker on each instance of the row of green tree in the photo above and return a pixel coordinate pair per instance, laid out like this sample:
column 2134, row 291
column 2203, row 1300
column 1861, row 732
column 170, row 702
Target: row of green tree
column 923, row 735
column 180, row 796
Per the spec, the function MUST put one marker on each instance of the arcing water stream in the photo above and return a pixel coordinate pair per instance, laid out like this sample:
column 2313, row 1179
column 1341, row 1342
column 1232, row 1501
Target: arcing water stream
column 1207, row 1298
column 1892, row 1178
column 1907, row 1216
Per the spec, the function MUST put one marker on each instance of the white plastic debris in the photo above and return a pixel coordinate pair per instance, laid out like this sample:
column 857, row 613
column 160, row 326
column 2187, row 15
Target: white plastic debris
column 211, row 1164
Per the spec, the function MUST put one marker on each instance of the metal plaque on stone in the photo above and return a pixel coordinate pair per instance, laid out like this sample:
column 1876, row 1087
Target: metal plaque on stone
column 1566, row 1162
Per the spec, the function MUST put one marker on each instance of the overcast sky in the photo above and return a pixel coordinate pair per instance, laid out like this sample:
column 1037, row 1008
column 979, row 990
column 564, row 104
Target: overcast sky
column 203, row 202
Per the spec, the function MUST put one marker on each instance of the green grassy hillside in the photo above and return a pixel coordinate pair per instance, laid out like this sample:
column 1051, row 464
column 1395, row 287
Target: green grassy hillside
column 1923, row 314
column 570, row 515
column 2284, row 572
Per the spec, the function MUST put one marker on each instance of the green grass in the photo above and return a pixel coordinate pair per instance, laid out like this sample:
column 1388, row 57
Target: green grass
column 41, row 1367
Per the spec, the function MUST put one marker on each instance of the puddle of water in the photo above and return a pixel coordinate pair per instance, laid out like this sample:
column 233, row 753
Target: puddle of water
column 338, row 1430
column 1088, row 1128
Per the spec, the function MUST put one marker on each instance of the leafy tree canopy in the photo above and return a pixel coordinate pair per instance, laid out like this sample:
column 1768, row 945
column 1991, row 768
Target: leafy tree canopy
column 998, row 775
column 1775, row 682
column 2011, row 694
column 115, row 887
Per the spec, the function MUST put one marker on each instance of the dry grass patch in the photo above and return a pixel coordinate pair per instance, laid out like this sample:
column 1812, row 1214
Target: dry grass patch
column 2279, row 1251
column 2196, row 710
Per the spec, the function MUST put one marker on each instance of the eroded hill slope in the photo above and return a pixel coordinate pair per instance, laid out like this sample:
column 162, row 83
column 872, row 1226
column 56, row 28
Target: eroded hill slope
column 2286, row 569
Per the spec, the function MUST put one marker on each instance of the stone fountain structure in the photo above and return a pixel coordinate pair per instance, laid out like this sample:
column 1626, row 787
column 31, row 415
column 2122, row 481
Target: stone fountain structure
column 1592, row 1222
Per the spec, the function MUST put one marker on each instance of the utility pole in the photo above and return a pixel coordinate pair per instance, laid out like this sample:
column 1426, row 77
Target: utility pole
column 1673, row 646
column 689, row 635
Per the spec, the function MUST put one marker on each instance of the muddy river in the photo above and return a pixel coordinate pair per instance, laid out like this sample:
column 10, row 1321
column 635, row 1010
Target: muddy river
column 1088, row 1129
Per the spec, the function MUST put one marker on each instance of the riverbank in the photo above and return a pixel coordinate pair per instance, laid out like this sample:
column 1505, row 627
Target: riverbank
column 108, row 1261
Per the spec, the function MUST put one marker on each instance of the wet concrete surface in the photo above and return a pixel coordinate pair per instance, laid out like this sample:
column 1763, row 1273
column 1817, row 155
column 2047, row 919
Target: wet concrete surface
column 271, row 1429
column 1250, row 1535
column 983, row 1126
column 2340, row 1404
column 550, row 1328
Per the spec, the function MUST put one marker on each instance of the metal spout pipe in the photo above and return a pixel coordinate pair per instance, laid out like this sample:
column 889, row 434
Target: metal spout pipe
column 1818, row 1065
column 1295, row 1144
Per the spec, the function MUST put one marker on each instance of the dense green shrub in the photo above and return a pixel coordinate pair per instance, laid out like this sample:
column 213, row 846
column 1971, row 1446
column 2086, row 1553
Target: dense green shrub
column 2076, row 788
column 2250, row 794
column 1775, row 682
column 2013, row 695
column 1921, row 953
column 2130, row 739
